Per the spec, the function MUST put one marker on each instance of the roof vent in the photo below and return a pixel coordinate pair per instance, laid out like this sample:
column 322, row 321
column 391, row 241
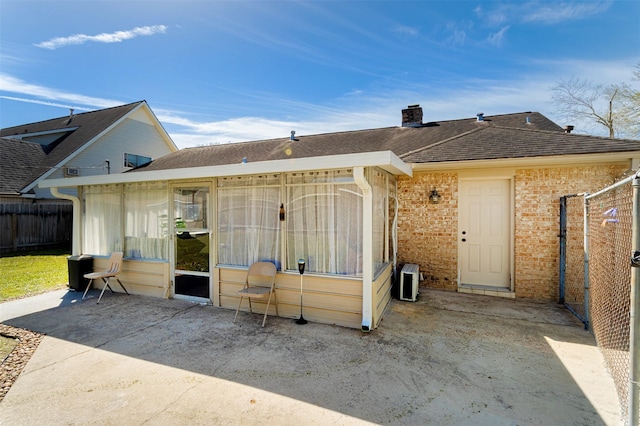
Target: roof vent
column 244, row 160
column 412, row 116
column 568, row 129
column 528, row 120
column 293, row 135
column 480, row 116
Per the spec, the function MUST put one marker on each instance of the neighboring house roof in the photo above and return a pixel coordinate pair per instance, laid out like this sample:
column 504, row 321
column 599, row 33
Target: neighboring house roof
column 63, row 137
column 399, row 140
column 19, row 159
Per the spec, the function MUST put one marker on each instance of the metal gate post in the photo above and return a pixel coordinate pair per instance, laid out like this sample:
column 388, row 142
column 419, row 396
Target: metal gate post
column 634, row 320
column 563, row 246
column 587, row 316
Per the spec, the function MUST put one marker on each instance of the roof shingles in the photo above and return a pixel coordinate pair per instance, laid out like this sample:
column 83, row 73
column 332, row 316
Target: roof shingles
column 527, row 134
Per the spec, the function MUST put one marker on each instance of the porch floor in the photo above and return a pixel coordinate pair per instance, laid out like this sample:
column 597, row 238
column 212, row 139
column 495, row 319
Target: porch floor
column 448, row 358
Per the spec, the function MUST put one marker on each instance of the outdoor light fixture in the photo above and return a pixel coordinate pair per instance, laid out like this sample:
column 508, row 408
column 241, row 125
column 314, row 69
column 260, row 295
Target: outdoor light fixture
column 434, row 198
column 301, row 320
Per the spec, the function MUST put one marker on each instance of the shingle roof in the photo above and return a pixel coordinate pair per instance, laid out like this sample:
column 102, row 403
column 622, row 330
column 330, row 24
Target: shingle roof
column 497, row 142
column 83, row 127
column 503, row 136
column 18, row 161
column 400, row 140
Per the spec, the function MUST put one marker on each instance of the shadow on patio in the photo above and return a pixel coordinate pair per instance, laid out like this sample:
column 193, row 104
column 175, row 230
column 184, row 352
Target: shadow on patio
column 450, row 358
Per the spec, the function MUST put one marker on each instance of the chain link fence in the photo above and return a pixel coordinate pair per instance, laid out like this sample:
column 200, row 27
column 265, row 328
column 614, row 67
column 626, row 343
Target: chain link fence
column 600, row 294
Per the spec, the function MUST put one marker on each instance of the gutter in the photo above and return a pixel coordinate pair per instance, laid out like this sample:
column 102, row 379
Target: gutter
column 75, row 237
column 367, row 248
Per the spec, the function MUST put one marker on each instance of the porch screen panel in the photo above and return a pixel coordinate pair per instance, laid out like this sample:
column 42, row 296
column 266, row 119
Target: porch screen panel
column 380, row 210
column 324, row 222
column 248, row 220
column 146, row 206
column 102, row 219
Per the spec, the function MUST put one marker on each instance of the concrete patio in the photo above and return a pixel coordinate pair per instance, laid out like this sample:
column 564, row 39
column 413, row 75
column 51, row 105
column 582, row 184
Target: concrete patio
column 447, row 359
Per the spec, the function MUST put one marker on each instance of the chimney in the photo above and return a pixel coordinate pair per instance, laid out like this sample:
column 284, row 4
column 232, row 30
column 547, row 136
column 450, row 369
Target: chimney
column 568, row 129
column 412, row 116
column 480, row 116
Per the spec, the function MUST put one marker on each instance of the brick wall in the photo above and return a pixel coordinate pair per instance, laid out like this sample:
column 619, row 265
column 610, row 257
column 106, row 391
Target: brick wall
column 427, row 233
column 537, row 205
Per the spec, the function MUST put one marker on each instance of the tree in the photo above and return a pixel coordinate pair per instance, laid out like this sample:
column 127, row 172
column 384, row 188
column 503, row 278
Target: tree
column 614, row 106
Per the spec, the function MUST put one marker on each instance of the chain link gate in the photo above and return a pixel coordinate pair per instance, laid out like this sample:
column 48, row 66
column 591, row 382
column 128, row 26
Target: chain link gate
column 596, row 277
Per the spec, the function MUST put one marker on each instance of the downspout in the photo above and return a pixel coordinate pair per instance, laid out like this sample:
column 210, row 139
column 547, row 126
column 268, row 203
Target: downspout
column 367, row 248
column 75, row 237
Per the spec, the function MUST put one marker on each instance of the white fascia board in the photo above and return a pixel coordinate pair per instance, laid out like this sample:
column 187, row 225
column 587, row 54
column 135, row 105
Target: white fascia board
column 386, row 160
column 543, row 161
column 42, row 133
column 172, row 145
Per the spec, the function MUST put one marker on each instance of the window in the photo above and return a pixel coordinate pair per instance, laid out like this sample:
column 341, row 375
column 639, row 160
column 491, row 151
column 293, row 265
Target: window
column 248, row 220
column 134, row 160
column 102, row 219
column 324, row 222
column 146, row 215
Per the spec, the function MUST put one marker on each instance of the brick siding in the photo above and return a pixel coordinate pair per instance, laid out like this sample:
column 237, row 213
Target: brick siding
column 427, row 233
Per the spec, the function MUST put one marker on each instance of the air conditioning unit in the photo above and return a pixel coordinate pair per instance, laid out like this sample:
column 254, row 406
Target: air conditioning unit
column 409, row 282
column 71, row 171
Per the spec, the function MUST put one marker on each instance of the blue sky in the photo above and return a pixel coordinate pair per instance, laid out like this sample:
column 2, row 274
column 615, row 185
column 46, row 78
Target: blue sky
column 226, row 71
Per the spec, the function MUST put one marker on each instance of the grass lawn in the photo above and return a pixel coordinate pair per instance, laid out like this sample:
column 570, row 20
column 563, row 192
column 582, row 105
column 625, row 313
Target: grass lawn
column 6, row 346
column 30, row 273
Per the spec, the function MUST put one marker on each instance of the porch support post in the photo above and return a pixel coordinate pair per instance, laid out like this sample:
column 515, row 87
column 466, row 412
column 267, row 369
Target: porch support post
column 76, row 248
column 367, row 248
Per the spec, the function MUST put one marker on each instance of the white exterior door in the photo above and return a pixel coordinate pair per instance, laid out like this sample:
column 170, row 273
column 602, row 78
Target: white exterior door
column 484, row 232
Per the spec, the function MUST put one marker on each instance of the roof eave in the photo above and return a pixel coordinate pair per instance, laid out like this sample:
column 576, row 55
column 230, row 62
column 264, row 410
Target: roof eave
column 386, row 160
column 554, row 161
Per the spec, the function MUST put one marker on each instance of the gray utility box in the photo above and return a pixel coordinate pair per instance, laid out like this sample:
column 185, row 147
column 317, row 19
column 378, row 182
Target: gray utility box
column 409, row 282
column 78, row 266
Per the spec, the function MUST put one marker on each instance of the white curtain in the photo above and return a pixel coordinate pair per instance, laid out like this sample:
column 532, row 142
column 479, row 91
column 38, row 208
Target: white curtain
column 248, row 221
column 102, row 219
column 380, row 209
column 146, row 226
column 324, row 222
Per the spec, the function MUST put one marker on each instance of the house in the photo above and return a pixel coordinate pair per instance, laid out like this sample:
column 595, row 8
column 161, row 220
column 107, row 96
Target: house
column 106, row 141
column 472, row 202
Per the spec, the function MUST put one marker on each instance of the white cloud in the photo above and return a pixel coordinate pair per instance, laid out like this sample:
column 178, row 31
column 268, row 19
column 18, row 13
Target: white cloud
column 15, row 85
column 45, row 103
column 405, row 30
column 115, row 37
column 542, row 12
column 495, row 39
column 558, row 12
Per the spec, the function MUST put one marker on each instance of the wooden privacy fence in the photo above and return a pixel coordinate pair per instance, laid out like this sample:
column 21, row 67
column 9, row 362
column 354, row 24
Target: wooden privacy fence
column 34, row 224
